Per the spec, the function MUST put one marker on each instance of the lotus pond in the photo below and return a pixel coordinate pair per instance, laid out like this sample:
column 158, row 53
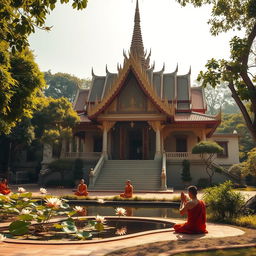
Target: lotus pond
column 51, row 219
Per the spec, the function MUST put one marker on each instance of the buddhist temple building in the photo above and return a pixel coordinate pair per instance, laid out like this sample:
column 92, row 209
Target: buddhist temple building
column 141, row 123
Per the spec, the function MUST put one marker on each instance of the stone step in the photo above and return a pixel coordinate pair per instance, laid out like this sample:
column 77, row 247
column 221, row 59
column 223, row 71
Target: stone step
column 144, row 174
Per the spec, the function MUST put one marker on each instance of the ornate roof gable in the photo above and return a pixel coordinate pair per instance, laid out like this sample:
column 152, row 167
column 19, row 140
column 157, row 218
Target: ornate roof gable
column 131, row 64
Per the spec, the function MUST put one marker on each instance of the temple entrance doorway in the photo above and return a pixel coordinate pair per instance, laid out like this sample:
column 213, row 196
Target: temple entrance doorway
column 135, row 146
column 132, row 141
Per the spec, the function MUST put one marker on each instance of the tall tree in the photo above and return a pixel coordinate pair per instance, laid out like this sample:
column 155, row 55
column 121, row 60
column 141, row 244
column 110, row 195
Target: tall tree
column 20, row 77
column 238, row 72
column 219, row 98
column 21, row 82
column 63, row 85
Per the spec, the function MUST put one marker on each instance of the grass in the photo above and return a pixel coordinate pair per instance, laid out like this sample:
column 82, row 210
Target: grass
column 246, row 189
column 245, row 221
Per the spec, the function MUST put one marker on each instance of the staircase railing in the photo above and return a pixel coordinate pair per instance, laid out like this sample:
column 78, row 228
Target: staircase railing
column 226, row 172
column 96, row 171
column 163, row 173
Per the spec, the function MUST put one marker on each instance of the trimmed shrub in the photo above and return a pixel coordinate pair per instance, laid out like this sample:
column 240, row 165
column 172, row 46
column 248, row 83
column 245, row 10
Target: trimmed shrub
column 208, row 147
column 185, row 174
column 223, row 203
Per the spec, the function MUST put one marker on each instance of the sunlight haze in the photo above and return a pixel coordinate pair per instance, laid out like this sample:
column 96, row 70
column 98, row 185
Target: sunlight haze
column 97, row 35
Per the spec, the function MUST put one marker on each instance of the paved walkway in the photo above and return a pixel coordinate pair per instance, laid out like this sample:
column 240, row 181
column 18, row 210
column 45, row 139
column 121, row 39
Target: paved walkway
column 99, row 249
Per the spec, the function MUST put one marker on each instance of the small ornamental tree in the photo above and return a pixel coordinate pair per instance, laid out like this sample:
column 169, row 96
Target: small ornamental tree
column 250, row 163
column 185, row 174
column 208, row 151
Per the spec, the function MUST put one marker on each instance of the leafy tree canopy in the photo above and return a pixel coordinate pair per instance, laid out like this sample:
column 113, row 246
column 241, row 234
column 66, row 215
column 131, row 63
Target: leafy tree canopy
column 249, row 166
column 21, row 83
column 20, row 78
column 63, row 85
column 238, row 72
column 54, row 119
column 208, row 147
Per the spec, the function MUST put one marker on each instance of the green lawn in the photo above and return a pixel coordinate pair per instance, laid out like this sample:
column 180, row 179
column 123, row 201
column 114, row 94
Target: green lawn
column 229, row 252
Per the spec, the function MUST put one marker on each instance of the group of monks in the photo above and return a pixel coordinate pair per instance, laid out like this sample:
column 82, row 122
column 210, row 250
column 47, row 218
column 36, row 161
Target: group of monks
column 4, row 189
column 194, row 208
column 83, row 191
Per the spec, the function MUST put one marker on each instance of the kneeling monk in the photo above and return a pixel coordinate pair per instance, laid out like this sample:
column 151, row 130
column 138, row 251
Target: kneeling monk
column 81, row 189
column 128, row 192
column 195, row 209
column 4, row 189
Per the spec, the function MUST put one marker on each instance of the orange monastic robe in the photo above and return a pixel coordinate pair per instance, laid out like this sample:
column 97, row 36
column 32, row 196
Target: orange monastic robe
column 82, row 190
column 196, row 222
column 4, row 189
column 128, row 192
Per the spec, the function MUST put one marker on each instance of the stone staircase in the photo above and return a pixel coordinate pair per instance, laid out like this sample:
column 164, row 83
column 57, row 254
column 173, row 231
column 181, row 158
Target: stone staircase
column 144, row 175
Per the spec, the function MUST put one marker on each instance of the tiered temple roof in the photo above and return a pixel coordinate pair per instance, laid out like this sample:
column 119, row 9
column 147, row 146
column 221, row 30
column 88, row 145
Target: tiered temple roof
column 165, row 90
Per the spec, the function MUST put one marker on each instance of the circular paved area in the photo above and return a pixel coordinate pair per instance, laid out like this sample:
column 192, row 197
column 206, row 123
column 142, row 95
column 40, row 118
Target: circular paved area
column 10, row 249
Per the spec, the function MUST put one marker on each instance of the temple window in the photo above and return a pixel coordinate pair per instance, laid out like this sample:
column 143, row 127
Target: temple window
column 224, row 145
column 181, row 144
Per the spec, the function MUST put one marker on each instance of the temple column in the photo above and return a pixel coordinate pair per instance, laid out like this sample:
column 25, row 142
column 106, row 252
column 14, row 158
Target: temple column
column 203, row 136
column 106, row 126
column 70, row 145
column 156, row 125
column 158, row 144
column 77, row 144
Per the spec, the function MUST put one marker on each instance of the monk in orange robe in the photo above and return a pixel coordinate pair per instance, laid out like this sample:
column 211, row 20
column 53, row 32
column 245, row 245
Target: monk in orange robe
column 4, row 189
column 81, row 189
column 128, row 192
column 195, row 209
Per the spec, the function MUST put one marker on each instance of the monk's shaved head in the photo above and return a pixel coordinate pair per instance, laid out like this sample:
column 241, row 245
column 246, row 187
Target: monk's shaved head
column 192, row 190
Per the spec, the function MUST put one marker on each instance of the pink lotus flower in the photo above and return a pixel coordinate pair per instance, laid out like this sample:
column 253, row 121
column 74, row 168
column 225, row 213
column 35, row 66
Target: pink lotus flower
column 120, row 211
column 80, row 210
column 121, row 231
column 100, row 219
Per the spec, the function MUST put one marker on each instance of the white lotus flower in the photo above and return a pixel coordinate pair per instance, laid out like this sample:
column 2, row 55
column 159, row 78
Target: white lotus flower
column 53, row 202
column 21, row 190
column 100, row 201
column 2, row 237
column 25, row 211
column 78, row 209
column 43, row 191
column 100, row 219
column 120, row 211
column 121, row 231
column 25, row 199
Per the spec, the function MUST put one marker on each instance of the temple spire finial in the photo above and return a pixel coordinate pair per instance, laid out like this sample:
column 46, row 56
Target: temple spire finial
column 137, row 47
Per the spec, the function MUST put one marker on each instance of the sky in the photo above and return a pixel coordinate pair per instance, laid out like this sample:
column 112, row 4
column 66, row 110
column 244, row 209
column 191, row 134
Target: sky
column 96, row 37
